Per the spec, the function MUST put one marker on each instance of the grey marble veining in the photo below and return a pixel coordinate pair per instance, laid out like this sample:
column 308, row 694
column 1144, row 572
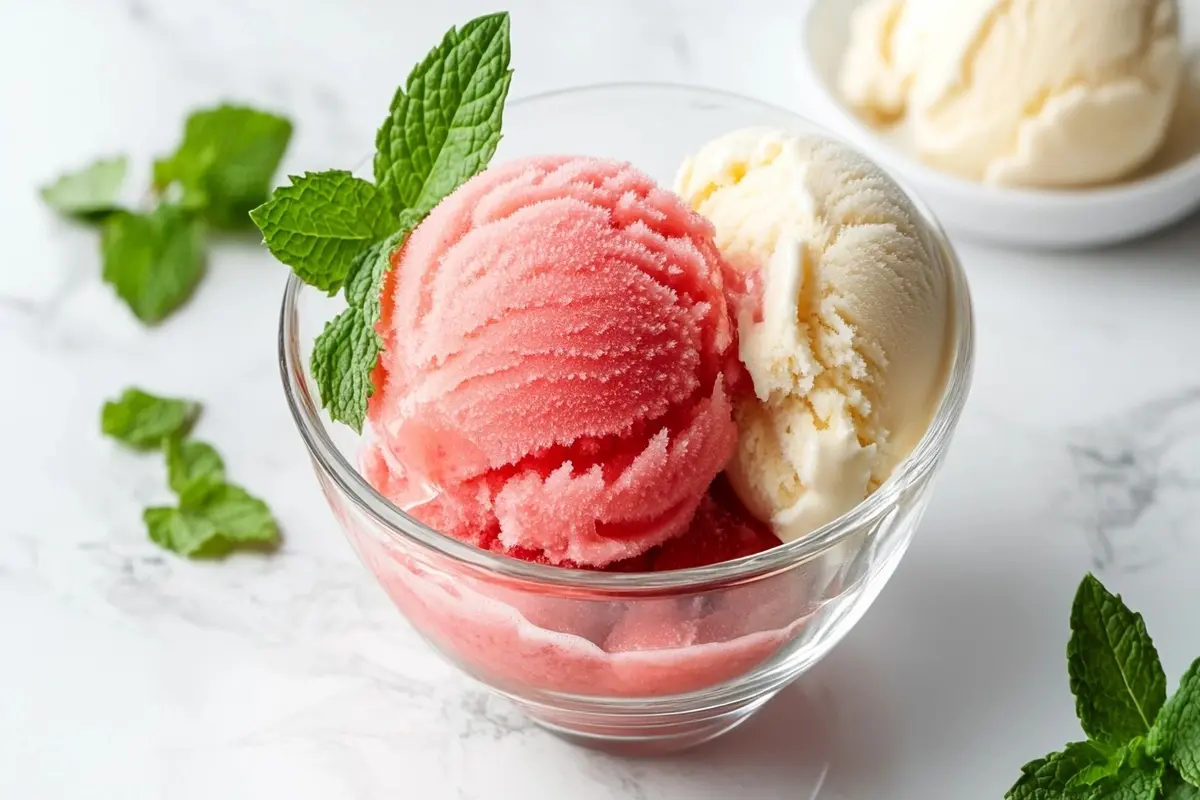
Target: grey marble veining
column 1138, row 481
column 292, row 675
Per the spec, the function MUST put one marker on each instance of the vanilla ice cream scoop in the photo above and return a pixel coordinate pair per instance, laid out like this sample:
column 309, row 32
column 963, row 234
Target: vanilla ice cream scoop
column 1049, row 93
column 848, row 349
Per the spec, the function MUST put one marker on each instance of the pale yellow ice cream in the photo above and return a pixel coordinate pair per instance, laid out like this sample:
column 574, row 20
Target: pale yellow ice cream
column 1049, row 93
column 848, row 354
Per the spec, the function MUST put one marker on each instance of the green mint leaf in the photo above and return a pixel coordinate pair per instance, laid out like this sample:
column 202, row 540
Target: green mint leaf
column 1133, row 757
column 91, row 193
column 347, row 350
column 1176, row 788
column 226, row 519
column 1058, row 777
column 1176, row 733
column 194, row 468
column 1053, row 777
column 190, row 197
column 154, row 260
column 226, row 161
column 1132, row 783
column 319, row 224
column 239, row 516
column 1115, row 674
column 364, row 281
column 444, row 124
column 342, row 359
column 1107, row 767
column 142, row 420
column 185, row 533
column 1093, row 774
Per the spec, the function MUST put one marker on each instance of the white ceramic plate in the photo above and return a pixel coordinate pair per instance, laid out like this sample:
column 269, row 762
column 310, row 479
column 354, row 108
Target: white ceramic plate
column 1167, row 190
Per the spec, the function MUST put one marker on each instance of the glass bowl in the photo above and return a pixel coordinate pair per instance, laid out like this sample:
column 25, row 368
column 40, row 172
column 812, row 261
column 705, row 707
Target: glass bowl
column 634, row 662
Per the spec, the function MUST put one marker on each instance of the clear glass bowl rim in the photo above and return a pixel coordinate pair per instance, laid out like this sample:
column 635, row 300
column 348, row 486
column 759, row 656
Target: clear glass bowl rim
column 306, row 412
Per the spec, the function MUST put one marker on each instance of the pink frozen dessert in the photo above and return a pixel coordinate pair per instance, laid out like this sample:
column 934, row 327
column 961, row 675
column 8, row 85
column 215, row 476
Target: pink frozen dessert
column 557, row 365
column 557, row 385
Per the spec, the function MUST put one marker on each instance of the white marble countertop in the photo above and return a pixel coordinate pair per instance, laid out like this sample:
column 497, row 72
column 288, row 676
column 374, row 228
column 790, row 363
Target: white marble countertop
column 129, row 673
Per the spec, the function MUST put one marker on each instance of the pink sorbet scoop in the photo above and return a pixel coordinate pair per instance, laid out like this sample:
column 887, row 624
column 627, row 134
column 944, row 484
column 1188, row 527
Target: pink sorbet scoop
column 558, row 355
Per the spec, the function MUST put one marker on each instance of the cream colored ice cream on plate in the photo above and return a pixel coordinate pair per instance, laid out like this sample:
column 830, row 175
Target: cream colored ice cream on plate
column 848, row 346
column 1040, row 93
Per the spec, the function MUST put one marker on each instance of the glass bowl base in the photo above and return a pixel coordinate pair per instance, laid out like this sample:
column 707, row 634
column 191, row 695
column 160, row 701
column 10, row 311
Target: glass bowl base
column 643, row 735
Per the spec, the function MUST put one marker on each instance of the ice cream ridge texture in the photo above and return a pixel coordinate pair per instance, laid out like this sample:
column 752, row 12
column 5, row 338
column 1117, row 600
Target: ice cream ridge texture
column 555, row 383
column 584, row 369
column 1048, row 93
column 846, row 340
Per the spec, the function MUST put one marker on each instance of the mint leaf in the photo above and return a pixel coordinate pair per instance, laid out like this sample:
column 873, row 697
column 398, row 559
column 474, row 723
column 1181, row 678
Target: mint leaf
column 342, row 359
column 442, row 129
column 321, row 223
column 154, row 260
column 1058, row 777
column 347, row 350
column 1132, row 783
column 1134, row 757
column 1106, row 767
column 1114, row 670
column 226, row 161
column 185, row 533
column 194, row 469
column 227, row 518
column 1176, row 733
column 1176, row 788
column 444, row 124
column 364, row 281
column 1052, row 777
column 240, row 516
column 1093, row 774
column 90, row 193
column 142, row 420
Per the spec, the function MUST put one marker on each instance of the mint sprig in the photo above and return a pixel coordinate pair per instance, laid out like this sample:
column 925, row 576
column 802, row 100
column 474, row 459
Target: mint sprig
column 90, row 193
column 1141, row 745
column 320, row 224
column 154, row 257
column 444, row 123
column 226, row 161
column 1176, row 734
column 1118, row 762
column 347, row 350
column 1056, row 772
column 1117, row 680
column 225, row 519
column 193, row 468
column 143, row 421
column 213, row 517
column 1176, row 788
column 154, row 261
column 337, row 231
